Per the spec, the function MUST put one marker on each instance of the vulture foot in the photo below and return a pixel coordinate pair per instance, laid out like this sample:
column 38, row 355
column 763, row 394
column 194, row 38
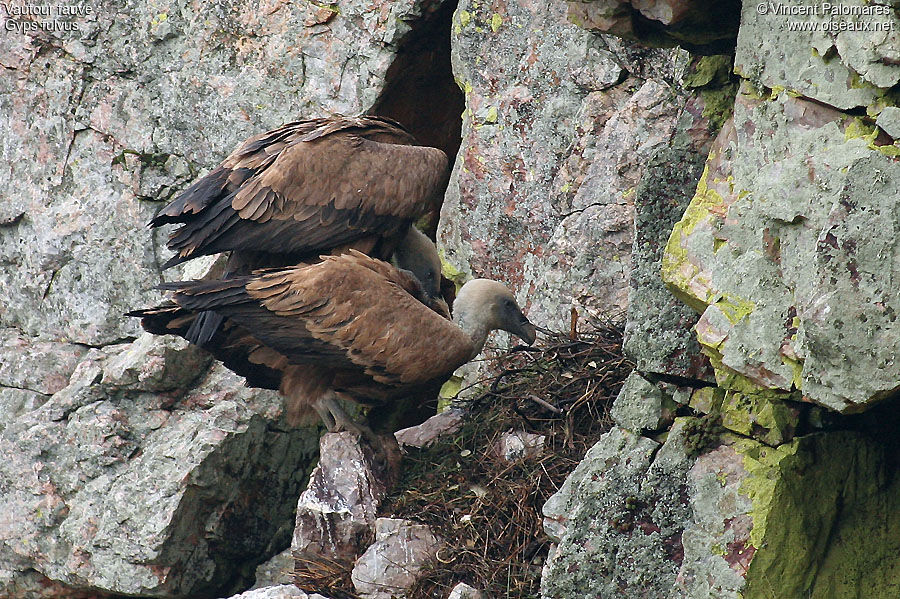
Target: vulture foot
column 385, row 449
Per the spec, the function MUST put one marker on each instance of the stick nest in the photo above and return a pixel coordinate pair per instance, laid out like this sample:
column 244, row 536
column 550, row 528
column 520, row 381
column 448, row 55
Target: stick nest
column 489, row 510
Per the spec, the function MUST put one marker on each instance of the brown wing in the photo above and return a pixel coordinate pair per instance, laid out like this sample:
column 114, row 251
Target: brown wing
column 306, row 188
column 348, row 312
column 363, row 307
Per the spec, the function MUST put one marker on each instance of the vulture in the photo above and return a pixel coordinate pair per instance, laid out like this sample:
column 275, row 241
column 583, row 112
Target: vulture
column 349, row 326
column 308, row 188
column 312, row 187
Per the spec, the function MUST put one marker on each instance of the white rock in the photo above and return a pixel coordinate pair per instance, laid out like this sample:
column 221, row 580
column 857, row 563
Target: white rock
column 393, row 562
column 284, row 591
column 464, row 591
column 518, row 445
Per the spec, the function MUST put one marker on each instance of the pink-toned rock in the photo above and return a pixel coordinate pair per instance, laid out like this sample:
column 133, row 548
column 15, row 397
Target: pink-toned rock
column 423, row 435
column 336, row 512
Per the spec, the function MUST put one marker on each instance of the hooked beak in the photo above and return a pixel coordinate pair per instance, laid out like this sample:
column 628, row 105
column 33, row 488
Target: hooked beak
column 525, row 331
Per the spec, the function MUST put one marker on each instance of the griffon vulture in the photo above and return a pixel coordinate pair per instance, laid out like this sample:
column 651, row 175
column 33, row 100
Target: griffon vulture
column 308, row 188
column 349, row 325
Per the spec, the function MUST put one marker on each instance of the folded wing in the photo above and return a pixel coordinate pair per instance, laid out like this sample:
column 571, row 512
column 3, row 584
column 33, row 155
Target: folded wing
column 308, row 187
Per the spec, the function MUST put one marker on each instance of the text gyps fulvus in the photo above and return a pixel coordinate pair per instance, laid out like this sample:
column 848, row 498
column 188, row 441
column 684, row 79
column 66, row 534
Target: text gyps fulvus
column 349, row 326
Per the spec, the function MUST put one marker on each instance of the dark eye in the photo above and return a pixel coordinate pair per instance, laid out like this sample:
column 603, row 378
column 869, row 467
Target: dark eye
column 508, row 303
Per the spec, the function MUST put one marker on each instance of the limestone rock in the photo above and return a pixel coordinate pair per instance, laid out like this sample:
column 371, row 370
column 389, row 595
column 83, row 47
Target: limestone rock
column 158, row 364
column 840, row 68
column 783, row 250
column 642, row 406
column 548, row 166
column 391, row 564
column 889, row 120
column 422, row 435
column 464, row 591
column 336, row 512
column 104, row 489
column 31, row 371
column 284, row 591
column 623, row 505
column 659, row 334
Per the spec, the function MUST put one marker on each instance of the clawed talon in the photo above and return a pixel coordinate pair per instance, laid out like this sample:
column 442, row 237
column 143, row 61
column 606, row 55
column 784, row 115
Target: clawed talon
column 385, row 449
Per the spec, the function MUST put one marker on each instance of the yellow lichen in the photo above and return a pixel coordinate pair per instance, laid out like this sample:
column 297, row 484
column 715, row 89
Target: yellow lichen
column 496, row 22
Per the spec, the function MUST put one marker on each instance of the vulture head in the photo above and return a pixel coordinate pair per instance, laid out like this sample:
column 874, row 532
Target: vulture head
column 417, row 254
column 482, row 306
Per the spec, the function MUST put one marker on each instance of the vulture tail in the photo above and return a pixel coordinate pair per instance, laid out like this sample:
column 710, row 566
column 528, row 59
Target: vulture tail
column 209, row 295
column 193, row 200
column 162, row 320
column 204, row 328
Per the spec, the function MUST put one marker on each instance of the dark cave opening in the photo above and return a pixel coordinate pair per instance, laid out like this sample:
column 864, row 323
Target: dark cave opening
column 419, row 90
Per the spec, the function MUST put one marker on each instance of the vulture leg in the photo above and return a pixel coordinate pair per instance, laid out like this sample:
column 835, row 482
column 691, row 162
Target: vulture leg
column 336, row 419
column 385, row 447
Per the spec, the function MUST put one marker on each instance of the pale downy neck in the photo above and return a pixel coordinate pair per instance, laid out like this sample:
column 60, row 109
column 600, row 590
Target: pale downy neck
column 472, row 324
column 472, row 314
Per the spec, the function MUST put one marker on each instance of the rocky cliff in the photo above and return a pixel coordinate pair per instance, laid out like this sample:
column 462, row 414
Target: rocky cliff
column 722, row 177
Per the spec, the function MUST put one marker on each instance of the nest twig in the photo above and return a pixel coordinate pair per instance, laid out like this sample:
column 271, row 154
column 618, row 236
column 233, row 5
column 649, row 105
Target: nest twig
column 319, row 574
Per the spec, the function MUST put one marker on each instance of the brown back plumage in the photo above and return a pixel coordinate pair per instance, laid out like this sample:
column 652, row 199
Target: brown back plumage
column 309, row 187
column 360, row 317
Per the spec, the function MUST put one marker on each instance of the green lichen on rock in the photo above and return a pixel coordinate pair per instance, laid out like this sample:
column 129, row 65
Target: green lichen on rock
column 448, row 392
column 746, row 408
column 712, row 77
column 496, row 22
column 676, row 270
column 451, row 272
column 659, row 335
column 707, row 70
column 783, row 251
column 718, row 104
column 734, row 308
column 707, row 399
column 868, row 132
column 825, row 518
column 760, row 416
column 701, row 434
